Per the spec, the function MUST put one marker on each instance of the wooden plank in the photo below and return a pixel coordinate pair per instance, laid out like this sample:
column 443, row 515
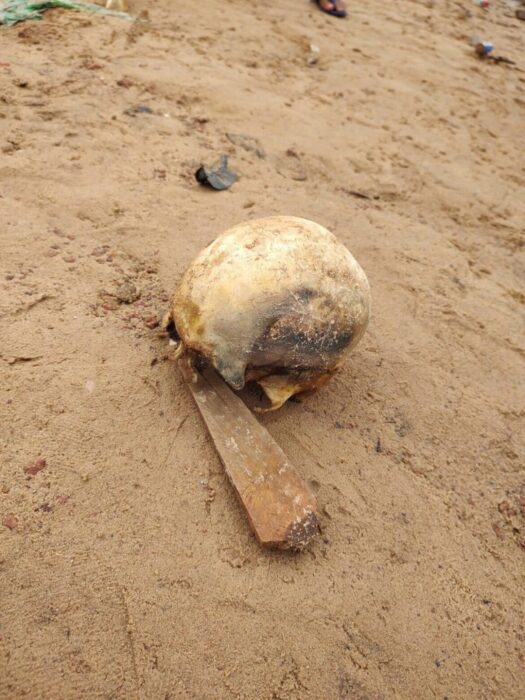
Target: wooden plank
column 281, row 509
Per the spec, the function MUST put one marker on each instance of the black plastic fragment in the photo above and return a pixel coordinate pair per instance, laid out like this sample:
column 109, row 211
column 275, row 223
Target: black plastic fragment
column 218, row 176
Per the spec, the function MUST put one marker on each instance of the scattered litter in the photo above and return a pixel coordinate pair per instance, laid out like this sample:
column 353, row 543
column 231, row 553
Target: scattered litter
column 90, row 386
column 219, row 177
column 14, row 11
column 482, row 3
column 248, row 143
column 483, row 48
column 139, row 109
column 314, row 55
column 35, row 467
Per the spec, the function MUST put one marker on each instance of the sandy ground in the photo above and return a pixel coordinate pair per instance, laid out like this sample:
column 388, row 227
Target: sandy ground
column 127, row 568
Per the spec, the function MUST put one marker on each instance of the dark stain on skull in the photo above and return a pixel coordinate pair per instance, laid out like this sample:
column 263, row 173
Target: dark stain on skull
column 314, row 341
column 304, row 330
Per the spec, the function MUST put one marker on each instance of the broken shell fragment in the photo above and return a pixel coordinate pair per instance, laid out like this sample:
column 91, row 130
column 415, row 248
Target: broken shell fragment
column 279, row 301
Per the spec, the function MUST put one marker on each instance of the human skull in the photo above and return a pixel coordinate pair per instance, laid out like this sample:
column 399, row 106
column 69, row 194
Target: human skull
column 279, row 301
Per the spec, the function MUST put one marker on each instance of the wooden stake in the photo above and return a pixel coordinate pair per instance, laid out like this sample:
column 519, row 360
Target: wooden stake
column 281, row 509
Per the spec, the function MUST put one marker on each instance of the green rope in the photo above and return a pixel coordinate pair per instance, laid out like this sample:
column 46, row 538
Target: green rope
column 15, row 11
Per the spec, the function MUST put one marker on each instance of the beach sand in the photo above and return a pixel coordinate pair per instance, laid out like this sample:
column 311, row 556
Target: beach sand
column 127, row 568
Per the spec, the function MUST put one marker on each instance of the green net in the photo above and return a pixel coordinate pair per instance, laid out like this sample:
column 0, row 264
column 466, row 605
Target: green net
column 14, row 11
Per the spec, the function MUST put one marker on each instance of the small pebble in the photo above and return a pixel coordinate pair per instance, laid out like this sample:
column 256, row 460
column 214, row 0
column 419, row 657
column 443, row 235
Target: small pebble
column 10, row 521
column 127, row 293
column 151, row 322
column 35, row 467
